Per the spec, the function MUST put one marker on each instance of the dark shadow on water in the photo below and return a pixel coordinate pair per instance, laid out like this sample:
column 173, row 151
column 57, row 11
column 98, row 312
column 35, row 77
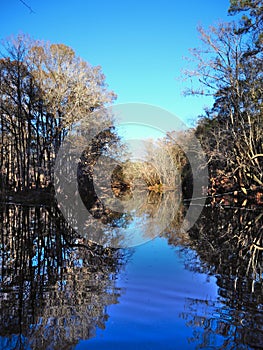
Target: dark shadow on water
column 52, row 293
column 55, row 287
column 228, row 242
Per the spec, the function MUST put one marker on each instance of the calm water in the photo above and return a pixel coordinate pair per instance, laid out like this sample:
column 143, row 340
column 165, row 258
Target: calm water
column 203, row 291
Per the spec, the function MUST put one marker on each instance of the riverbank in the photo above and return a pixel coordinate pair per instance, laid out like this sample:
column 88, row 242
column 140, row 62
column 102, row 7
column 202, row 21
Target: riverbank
column 30, row 196
column 46, row 196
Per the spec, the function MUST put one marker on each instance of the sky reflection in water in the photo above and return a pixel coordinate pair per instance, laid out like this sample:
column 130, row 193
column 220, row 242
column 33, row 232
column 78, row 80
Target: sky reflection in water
column 156, row 295
column 156, row 290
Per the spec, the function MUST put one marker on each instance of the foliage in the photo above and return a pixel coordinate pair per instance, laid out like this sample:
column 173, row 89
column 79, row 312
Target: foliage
column 252, row 19
column 44, row 88
column 231, row 131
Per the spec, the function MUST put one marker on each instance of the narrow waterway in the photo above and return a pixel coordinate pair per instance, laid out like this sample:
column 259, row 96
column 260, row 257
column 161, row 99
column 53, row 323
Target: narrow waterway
column 168, row 293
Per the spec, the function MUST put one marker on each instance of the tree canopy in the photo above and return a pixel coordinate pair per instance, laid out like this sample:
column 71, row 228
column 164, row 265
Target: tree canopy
column 229, row 67
column 44, row 88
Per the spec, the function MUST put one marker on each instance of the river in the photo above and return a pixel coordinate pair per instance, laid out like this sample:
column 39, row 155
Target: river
column 200, row 291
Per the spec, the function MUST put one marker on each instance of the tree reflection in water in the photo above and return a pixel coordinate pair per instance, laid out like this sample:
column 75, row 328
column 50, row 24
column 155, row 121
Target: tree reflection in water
column 228, row 243
column 51, row 294
column 54, row 290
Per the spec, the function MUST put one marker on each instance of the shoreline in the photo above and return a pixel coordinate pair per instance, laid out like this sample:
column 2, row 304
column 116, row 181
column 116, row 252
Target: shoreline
column 46, row 196
column 31, row 196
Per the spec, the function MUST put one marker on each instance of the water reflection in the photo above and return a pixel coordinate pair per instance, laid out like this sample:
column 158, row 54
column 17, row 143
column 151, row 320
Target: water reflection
column 55, row 287
column 52, row 292
column 220, row 327
column 229, row 244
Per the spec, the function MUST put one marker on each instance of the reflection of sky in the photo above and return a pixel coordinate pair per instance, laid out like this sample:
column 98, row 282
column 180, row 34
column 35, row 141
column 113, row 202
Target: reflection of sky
column 147, row 219
column 135, row 233
column 156, row 289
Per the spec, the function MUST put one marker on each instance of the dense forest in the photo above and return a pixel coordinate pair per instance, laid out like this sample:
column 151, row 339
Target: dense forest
column 45, row 89
column 230, row 68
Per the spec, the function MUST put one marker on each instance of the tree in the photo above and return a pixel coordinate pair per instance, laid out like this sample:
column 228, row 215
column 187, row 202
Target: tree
column 44, row 89
column 18, row 97
column 71, row 88
column 252, row 20
column 234, row 124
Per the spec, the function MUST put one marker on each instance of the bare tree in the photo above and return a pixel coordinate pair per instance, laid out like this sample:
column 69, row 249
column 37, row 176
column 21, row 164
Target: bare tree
column 234, row 78
column 45, row 88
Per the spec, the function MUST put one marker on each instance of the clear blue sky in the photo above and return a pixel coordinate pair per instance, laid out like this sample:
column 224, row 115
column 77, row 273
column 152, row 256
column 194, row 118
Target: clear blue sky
column 139, row 44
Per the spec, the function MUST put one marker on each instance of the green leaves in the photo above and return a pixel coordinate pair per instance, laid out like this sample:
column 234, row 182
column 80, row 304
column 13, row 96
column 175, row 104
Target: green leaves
column 252, row 19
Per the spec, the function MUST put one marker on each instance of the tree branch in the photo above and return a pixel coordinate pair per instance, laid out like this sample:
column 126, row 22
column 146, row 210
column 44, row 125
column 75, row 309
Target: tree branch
column 26, row 5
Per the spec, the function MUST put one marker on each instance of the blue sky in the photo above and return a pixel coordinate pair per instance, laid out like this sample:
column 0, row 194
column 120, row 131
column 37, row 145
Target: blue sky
column 139, row 44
